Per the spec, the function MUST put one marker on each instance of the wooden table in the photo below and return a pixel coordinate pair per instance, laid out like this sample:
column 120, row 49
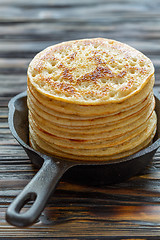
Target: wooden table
column 129, row 210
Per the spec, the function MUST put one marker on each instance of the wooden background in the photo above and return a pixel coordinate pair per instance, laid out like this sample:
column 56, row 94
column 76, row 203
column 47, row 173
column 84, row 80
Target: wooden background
column 129, row 210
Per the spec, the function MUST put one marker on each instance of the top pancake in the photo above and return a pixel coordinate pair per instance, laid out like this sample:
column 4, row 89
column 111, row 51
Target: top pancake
column 90, row 72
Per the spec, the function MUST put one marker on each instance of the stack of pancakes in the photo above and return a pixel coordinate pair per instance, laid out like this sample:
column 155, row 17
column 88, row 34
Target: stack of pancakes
column 91, row 99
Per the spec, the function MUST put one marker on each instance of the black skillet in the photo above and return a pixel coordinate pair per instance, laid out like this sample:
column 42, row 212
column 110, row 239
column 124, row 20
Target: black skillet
column 52, row 169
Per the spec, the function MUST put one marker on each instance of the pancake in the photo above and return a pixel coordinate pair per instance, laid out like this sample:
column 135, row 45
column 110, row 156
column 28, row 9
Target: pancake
column 100, row 140
column 105, row 141
column 86, row 130
column 90, row 72
column 89, row 122
column 89, row 110
column 41, row 146
column 137, row 138
column 42, row 108
column 91, row 99
column 108, row 132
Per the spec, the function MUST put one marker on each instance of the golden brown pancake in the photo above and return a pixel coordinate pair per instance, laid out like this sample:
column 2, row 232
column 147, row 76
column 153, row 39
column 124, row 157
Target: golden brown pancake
column 91, row 99
column 90, row 72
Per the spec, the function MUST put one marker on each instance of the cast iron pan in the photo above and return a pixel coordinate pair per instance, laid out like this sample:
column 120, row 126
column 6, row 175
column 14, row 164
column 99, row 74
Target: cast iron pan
column 52, row 169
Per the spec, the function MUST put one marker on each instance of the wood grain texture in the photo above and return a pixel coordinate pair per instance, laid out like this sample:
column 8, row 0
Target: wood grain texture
column 129, row 210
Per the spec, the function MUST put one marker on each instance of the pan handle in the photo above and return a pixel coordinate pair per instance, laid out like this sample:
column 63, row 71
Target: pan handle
column 38, row 190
